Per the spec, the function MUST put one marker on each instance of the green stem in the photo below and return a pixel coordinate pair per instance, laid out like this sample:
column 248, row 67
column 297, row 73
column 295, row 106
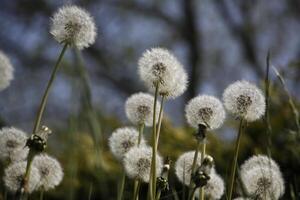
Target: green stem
column 203, row 152
column 46, row 94
column 42, row 194
column 136, row 190
column 158, row 194
column 141, row 130
column 121, row 186
column 193, row 169
column 152, row 182
column 236, row 153
column 160, row 116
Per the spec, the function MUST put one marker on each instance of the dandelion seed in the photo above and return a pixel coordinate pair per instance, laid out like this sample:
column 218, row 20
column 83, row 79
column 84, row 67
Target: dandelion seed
column 74, row 26
column 139, row 109
column 14, row 173
column 259, row 161
column 159, row 66
column 214, row 189
column 50, row 171
column 12, row 144
column 244, row 100
column 205, row 110
column 6, row 71
column 122, row 140
column 137, row 163
column 263, row 182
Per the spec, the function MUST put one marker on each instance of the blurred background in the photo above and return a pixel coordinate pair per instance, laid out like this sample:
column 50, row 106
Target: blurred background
column 218, row 42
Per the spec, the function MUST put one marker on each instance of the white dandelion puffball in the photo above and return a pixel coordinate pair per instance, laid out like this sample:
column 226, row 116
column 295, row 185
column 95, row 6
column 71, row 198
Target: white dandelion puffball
column 139, row 109
column 73, row 25
column 205, row 110
column 244, row 99
column 50, row 170
column 214, row 189
column 122, row 140
column 14, row 173
column 183, row 166
column 159, row 66
column 6, row 71
column 137, row 163
column 263, row 182
column 259, row 161
column 13, row 144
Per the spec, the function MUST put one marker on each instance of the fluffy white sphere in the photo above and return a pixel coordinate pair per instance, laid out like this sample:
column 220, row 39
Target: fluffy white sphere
column 14, row 174
column 244, row 99
column 50, row 170
column 205, row 110
column 214, row 189
column 75, row 26
column 263, row 182
column 159, row 66
column 6, row 71
column 259, row 161
column 13, row 144
column 139, row 109
column 122, row 140
column 137, row 163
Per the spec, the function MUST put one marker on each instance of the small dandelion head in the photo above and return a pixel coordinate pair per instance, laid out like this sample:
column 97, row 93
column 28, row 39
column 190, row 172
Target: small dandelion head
column 50, row 170
column 6, row 71
column 139, row 109
column 74, row 26
column 259, row 161
column 205, row 110
column 12, row 144
column 244, row 99
column 14, row 173
column 183, row 166
column 158, row 66
column 263, row 182
column 137, row 163
column 122, row 140
column 214, row 189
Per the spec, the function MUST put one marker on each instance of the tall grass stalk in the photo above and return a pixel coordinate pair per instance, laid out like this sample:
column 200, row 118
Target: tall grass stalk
column 234, row 164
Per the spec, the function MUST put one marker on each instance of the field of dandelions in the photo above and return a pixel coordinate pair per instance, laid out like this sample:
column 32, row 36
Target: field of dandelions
column 148, row 158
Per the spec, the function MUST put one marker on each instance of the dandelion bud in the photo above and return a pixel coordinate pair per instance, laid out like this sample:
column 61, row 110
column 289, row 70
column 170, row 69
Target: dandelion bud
column 50, row 171
column 122, row 140
column 12, row 144
column 6, row 71
column 205, row 110
column 137, row 163
column 74, row 26
column 139, row 109
column 14, row 174
column 38, row 141
column 244, row 99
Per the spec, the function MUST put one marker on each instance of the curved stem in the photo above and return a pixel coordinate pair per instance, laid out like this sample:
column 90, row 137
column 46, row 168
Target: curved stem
column 193, row 169
column 236, row 153
column 137, row 185
column 203, row 152
column 121, row 186
column 46, row 93
column 160, row 116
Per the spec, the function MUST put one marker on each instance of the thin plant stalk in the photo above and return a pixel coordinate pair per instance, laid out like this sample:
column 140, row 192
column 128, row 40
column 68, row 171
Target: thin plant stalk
column 236, row 153
column 141, row 130
column 121, row 186
column 203, row 152
column 191, row 193
column 137, row 185
column 160, row 116
column 152, row 182
column 41, row 194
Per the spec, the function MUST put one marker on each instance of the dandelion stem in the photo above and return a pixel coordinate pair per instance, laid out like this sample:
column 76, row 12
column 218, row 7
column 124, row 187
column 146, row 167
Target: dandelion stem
column 203, row 150
column 121, row 186
column 46, row 93
column 137, row 185
column 152, row 182
column 160, row 116
column 236, row 153
column 42, row 194
column 141, row 130
column 191, row 193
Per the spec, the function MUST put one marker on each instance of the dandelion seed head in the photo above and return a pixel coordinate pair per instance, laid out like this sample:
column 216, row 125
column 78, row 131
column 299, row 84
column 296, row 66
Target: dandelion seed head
column 183, row 166
column 244, row 99
column 205, row 110
column 122, row 140
column 73, row 25
column 137, row 163
column 259, row 161
column 50, row 170
column 263, row 182
column 139, row 109
column 6, row 71
column 14, row 173
column 13, row 144
column 159, row 66
column 215, row 187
